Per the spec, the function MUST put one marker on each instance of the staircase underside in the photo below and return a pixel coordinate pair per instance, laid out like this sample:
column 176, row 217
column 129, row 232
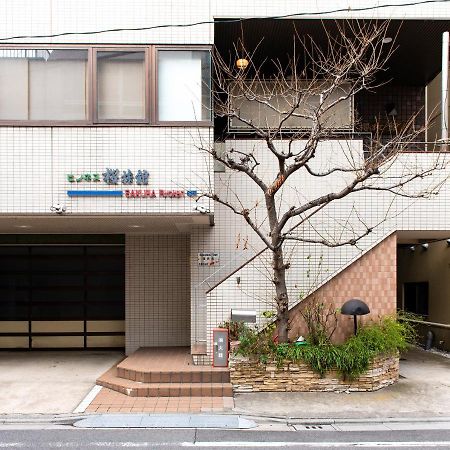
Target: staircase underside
column 166, row 372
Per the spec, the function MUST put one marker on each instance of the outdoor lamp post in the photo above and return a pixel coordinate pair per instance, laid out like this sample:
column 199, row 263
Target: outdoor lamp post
column 355, row 307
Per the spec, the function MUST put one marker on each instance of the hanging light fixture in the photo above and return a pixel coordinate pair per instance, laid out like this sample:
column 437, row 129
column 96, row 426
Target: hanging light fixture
column 242, row 63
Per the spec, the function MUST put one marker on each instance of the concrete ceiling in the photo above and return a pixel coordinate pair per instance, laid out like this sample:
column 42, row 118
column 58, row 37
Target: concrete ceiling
column 107, row 224
column 405, row 237
column 416, row 61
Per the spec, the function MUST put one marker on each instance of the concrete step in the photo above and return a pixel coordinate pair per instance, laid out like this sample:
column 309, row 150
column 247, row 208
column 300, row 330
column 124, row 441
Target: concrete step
column 164, row 389
column 168, row 365
column 196, row 374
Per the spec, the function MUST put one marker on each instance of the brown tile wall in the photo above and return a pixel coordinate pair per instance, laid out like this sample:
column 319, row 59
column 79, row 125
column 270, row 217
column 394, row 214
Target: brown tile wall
column 408, row 100
column 372, row 278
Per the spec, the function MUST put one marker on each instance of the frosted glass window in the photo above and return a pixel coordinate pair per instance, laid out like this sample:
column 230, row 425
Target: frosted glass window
column 121, row 85
column 184, row 85
column 43, row 84
column 13, row 88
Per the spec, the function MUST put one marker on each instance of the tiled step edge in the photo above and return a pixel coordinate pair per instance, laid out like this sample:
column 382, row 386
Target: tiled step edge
column 197, row 376
column 136, row 389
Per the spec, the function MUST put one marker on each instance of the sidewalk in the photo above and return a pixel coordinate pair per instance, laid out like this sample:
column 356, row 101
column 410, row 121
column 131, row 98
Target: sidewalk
column 49, row 382
column 422, row 391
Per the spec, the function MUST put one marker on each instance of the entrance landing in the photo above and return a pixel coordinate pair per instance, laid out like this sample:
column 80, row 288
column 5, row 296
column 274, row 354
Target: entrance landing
column 163, row 380
column 166, row 372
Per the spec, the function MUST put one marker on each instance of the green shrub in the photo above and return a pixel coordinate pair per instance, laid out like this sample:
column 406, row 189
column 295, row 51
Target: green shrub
column 257, row 343
column 235, row 329
column 350, row 359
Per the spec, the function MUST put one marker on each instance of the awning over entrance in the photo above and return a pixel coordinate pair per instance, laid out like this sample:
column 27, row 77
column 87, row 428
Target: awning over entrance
column 98, row 224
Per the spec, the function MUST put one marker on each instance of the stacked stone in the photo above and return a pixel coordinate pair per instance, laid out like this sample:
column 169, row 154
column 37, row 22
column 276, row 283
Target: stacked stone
column 251, row 376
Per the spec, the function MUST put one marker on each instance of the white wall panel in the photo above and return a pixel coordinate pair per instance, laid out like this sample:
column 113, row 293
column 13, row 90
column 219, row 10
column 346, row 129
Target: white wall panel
column 35, row 162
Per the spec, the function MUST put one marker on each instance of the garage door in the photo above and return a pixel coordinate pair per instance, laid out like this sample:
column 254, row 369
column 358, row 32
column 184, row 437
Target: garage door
column 66, row 296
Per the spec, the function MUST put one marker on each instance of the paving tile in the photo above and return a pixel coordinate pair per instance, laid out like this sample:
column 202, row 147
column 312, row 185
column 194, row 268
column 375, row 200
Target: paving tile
column 167, row 381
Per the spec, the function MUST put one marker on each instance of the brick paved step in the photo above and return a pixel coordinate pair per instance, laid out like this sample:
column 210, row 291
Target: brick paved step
column 139, row 389
column 197, row 375
column 168, row 365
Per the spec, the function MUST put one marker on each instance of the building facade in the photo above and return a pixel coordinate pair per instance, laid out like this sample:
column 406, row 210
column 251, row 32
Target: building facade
column 104, row 242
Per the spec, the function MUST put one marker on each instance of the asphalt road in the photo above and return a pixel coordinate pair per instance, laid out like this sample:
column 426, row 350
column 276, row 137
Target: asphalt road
column 70, row 438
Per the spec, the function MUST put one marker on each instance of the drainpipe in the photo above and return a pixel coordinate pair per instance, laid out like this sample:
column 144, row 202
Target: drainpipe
column 444, row 87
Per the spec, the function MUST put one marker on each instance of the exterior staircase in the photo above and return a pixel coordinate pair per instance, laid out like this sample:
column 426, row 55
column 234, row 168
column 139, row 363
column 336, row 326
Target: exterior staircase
column 166, row 372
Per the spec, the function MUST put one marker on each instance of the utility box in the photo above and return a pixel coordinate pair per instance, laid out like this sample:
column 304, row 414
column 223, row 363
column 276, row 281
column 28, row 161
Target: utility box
column 243, row 315
column 220, row 347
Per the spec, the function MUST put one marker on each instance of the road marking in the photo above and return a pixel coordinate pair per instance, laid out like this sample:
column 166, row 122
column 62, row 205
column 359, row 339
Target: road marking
column 129, row 444
column 88, row 399
column 317, row 444
column 109, row 444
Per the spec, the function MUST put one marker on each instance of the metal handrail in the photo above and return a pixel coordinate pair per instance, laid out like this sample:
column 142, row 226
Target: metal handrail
column 236, row 270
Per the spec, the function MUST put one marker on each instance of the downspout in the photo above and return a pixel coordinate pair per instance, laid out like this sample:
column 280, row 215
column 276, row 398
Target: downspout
column 444, row 87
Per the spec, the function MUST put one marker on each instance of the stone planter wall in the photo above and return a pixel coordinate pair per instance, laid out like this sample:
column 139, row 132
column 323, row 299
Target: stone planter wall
column 251, row 376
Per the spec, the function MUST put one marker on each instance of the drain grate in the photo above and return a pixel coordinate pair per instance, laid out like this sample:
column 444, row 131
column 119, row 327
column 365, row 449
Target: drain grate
column 314, row 427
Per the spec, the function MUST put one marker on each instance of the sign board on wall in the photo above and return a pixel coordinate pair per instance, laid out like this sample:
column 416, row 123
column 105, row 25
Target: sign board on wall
column 208, row 259
column 114, row 177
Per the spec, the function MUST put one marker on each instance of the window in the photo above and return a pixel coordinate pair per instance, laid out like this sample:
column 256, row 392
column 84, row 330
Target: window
column 415, row 297
column 338, row 117
column 43, row 84
column 90, row 85
column 184, row 85
column 121, row 85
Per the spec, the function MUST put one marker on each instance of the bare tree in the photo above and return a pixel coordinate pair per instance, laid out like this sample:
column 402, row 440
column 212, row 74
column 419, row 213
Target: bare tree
column 298, row 106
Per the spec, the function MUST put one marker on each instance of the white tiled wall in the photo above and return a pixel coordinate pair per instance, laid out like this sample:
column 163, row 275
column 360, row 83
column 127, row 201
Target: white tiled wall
column 49, row 17
column 34, row 163
column 157, row 304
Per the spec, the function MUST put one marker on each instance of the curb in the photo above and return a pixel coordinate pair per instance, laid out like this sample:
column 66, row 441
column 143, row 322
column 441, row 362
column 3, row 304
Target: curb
column 57, row 419
column 335, row 421
column 70, row 419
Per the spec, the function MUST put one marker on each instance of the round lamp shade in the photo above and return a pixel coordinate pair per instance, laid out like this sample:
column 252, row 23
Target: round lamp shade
column 242, row 63
column 355, row 307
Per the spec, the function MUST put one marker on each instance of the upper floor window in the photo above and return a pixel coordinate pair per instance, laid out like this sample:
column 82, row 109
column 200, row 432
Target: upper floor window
column 43, row 84
column 121, row 84
column 184, row 87
column 98, row 85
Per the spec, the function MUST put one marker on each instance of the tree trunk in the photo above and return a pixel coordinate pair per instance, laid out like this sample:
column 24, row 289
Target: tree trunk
column 279, row 272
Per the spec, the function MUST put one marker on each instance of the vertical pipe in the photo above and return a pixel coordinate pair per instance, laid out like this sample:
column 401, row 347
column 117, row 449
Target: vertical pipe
column 444, row 87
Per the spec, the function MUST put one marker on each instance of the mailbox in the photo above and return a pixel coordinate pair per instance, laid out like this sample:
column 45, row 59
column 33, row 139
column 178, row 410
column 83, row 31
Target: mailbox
column 242, row 315
column 220, row 347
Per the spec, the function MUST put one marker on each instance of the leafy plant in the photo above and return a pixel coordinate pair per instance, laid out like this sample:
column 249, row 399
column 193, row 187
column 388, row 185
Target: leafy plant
column 235, row 329
column 350, row 359
column 259, row 343
column 320, row 320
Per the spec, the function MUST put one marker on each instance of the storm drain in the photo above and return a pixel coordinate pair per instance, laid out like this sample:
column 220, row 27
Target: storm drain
column 165, row 421
column 312, row 427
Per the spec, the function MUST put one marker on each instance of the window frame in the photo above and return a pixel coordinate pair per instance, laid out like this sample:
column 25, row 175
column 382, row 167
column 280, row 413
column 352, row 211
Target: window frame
column 88, row 89
column 151, row 87
column 155, row 97
column 95, row 51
